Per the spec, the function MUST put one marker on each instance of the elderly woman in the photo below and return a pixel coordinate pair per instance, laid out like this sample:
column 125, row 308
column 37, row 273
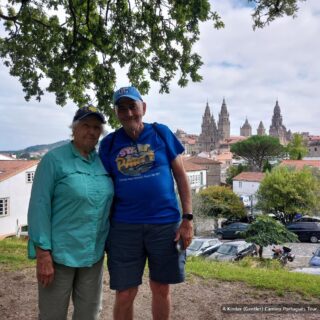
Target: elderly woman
column 68, row 222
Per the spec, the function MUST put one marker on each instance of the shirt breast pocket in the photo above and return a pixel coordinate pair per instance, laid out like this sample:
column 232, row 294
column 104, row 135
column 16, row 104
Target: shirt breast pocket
column 73, row 184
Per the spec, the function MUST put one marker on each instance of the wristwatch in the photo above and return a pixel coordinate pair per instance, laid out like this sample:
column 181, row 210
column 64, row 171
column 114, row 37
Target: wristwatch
column 187, row 216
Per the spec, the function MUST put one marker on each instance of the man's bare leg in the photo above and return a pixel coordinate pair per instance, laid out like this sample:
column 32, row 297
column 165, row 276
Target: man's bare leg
column 161, row 301
column 123, row 306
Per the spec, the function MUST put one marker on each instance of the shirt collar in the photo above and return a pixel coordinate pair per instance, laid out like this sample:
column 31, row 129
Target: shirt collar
column 76, row 153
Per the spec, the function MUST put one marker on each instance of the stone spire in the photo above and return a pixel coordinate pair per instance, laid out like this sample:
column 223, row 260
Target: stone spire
column 246, row 130
column 224, row 122
column 277, row 118
column 277, row 129
column 208, row 139
column 261, row 131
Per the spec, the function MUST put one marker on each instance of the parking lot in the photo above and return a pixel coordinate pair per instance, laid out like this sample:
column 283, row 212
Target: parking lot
column 302, row 250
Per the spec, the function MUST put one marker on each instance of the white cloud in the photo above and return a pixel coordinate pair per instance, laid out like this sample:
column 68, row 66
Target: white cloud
column 250, row 69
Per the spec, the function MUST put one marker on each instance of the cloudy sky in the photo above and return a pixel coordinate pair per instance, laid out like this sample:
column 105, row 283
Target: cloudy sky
column 250, row 69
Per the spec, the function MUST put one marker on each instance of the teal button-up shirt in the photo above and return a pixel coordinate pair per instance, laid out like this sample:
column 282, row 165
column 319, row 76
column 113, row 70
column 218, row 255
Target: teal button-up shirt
column 69, row 207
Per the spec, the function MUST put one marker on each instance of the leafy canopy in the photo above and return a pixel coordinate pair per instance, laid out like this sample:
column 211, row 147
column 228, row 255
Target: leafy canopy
column 267, row 11
column 221, row 201
column 258, row 150
column 297, row 147
column 286, row 191
column 265, row 231
column 76, row 45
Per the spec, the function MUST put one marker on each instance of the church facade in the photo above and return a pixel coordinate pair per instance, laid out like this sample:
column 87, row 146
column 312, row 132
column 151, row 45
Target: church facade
column 215, row 136
column 212, row 134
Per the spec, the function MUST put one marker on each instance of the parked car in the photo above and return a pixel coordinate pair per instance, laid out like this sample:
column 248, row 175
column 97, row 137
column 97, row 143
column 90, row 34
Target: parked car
column 203, row 246
column 233, row 251
column 307, row 219
column 315, row 259
column 306, row 231
column 231, row 231
column 246, row 219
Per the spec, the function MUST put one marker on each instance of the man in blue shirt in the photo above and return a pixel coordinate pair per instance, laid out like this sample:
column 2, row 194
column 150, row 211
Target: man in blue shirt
column 142, row 160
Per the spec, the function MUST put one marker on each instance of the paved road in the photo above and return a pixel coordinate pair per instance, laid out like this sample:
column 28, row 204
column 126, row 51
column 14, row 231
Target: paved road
column 303, row 252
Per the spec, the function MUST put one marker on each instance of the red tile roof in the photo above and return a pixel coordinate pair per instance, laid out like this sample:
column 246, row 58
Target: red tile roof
column 202, row 161
column 234, row 139
column 299, row 164
column 190, row 166
column 224, row 156
column 9, row 168
column 250, row 176
column 314, row 138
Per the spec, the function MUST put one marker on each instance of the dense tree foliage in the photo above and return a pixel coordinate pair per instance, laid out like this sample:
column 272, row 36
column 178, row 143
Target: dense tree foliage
column 258, row 150
column 265, row 231
column 219, row 201
column 77, row 44
column 297, row 147
column 233, row 171
column 286, row 191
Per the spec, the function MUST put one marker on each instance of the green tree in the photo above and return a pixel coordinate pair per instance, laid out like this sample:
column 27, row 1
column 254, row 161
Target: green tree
column 286, row 191
column 267, row 11
column 233, row 171
column 220, row 201
column 258, row 150
column 265, row 231
column 297, row 147
column 77, row 44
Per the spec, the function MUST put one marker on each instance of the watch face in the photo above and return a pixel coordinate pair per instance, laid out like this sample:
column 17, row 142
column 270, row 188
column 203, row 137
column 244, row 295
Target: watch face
column 187, row 216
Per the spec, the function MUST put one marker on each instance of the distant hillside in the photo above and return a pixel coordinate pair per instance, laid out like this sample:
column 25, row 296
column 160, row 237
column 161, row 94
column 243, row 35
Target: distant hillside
column 42, row 148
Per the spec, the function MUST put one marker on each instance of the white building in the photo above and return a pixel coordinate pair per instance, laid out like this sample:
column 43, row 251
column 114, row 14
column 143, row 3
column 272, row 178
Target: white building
column 5, row 157
column 16, row 177
column 197, row 175
column 246, row 184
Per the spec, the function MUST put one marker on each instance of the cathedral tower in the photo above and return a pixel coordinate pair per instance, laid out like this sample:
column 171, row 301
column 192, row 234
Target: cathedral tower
column 277, row 129
column 208, row 139
column 246, row 130
column 224, row 122
column 261, row 131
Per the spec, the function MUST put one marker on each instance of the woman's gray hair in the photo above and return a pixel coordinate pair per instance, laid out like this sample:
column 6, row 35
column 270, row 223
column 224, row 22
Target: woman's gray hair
column 74, row 124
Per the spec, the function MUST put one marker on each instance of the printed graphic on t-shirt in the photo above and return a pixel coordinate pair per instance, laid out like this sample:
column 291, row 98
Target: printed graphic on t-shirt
column 135, row 160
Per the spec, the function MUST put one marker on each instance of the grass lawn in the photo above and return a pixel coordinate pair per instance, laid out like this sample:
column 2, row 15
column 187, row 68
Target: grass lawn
column 261, row 274
column 13, row 255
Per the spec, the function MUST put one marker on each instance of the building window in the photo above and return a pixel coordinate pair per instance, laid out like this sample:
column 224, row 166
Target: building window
column 4, row 207
column 29, row 176
column 194, row 179
column 240, row 184
column 315, row 149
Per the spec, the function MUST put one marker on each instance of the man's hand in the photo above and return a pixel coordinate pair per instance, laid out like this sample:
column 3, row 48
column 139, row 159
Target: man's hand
column 45, row 268
column 185, row 232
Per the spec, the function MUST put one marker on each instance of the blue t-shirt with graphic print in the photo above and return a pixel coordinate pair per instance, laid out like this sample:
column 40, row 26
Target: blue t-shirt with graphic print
column 141, row 171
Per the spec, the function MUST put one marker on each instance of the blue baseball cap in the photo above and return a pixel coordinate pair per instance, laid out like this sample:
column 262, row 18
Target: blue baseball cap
column 88, row 111
column 128, row 92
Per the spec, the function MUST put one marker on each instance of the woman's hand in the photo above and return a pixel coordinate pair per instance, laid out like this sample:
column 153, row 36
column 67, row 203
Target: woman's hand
column 45, row 268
